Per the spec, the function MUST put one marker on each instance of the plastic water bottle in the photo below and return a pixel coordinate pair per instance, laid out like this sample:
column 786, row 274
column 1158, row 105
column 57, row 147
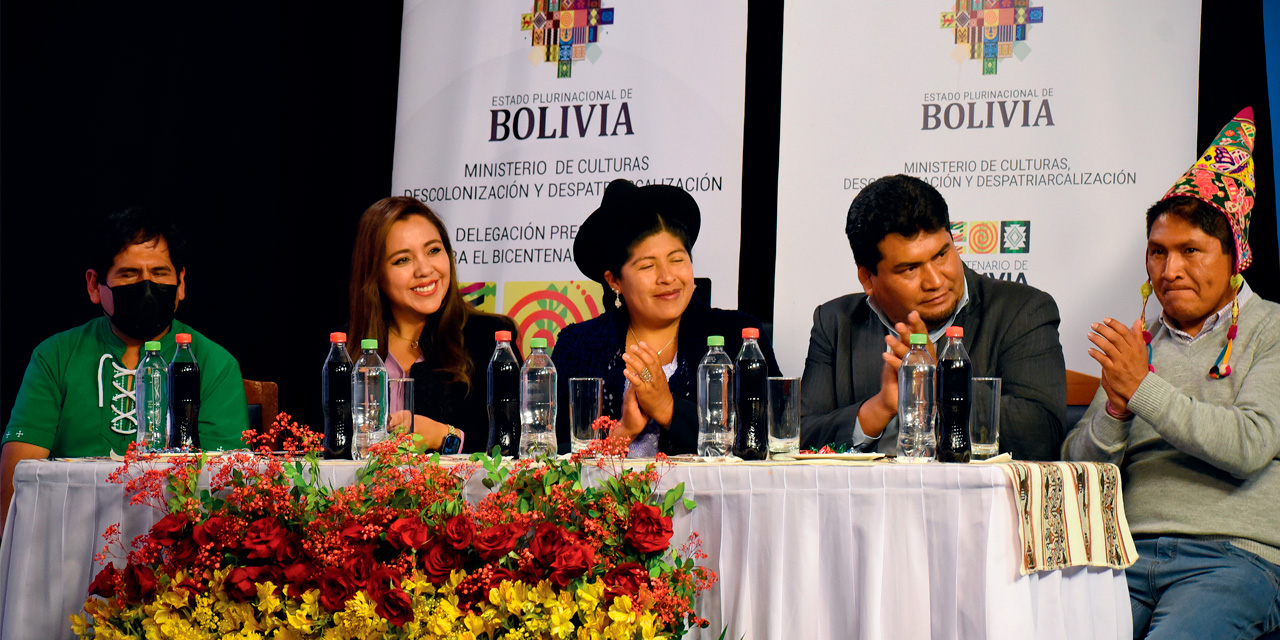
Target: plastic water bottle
column 335, row 398
column 917, row 440
column 368, row 399
column 538, row 402
column 715, row 401
column 752, row 442
column 184, row 389
column 504, row 397
column 954, row 370
column 151, row 389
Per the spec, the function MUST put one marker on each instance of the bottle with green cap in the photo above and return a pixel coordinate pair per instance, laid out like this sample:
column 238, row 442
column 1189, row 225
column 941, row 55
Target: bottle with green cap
column 151, row 396
column 917, row 418
column 368, row 399
column 538, row 402
column 715, row 401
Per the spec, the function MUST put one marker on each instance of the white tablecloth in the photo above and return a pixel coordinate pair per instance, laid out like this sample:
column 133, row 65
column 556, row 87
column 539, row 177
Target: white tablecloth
column 803, row 551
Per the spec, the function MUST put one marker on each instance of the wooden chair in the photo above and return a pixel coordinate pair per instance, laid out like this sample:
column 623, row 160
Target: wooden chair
column 1081, row 387
column 266, row 396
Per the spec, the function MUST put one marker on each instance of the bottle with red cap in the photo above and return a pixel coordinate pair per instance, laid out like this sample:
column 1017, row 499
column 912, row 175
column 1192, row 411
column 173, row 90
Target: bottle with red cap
column 954, row 371
column 752, row 439
column 335, row 398
column 504, row 397
column 184, row 391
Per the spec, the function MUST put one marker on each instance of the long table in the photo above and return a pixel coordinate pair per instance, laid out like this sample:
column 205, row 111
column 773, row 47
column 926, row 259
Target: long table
column 802, row 551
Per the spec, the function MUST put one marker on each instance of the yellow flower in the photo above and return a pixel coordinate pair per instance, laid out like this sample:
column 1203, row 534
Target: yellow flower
column 589, row 596
column 621, row 610
column 562, row 622
column 79, row 625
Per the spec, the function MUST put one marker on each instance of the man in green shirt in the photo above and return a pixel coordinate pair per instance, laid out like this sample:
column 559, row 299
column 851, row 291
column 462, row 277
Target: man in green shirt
column 77, row 395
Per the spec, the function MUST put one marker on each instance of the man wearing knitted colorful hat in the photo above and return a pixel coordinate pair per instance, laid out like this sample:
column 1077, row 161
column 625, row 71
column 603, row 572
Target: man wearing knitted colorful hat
column 1189, row 406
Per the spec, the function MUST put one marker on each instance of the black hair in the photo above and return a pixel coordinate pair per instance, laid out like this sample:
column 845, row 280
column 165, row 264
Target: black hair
column 893, row 204
column 134, row 225
column 1200, row 214
column 638, row 228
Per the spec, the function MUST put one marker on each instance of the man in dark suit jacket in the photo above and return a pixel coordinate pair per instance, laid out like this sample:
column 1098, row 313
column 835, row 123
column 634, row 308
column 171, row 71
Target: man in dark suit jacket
column 915, row 282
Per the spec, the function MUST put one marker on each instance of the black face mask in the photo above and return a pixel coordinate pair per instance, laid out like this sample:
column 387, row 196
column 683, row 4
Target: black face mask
column 144, row 308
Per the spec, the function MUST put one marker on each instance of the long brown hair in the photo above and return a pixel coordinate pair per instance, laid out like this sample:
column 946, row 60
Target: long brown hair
column 441, row 337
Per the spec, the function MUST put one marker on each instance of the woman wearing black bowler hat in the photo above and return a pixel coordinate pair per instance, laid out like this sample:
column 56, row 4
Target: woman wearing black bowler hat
column 639, row 243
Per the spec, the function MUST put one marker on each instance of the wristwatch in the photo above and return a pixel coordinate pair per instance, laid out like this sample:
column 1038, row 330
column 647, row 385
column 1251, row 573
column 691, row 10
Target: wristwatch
column 452, row 441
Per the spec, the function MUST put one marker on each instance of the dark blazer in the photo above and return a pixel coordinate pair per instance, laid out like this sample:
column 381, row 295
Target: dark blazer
column 593, row 349
column 1011, row 332
column 438, row 398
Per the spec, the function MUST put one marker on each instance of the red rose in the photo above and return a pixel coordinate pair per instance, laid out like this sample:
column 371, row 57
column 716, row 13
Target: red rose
column 439, row 561
column 290, row 550
column 496, row 577
column 573, row 561
column 263, row 539
column 169, row 529
column 458, row 532
column 649, row 531
column 139, row 582
column 183, row 553
column 383, row 579
column 408, row 533
column 396, row 606
column 546, row 543
column 191, row 586
column 335, row 589
column 242, row 583
column 106, row 582
column 625, row 579
column 358, row 568
column 497, row 541
column 212, row 532
column 299, row 575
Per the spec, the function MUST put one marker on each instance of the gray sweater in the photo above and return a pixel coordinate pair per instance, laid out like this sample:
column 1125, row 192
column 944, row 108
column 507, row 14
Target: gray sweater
column 1199, row 457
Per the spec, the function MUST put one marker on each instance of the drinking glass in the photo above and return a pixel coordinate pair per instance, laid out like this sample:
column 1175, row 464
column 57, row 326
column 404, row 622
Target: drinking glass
column 984, row 417
column 400, row 398
column 584, row 410
column 784, row 417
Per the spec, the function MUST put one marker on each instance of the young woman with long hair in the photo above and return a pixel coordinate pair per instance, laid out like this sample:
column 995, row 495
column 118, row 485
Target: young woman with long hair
column 404, row 293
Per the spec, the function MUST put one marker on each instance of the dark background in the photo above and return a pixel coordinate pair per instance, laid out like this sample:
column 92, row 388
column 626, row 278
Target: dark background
column 268, row 131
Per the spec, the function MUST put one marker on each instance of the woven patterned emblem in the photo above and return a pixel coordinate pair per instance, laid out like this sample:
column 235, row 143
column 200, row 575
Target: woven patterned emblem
column 565, row 32
column 1001, row 27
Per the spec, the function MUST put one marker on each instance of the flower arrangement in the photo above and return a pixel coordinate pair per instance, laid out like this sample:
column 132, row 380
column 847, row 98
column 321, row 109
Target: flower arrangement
column 269, row 550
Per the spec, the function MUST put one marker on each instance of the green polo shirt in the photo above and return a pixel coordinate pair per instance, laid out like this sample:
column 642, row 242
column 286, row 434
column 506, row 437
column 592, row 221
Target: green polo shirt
column 77, row 397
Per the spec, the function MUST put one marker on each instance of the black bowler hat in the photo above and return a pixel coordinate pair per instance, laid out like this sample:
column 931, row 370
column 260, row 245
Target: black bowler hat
column 626, row 212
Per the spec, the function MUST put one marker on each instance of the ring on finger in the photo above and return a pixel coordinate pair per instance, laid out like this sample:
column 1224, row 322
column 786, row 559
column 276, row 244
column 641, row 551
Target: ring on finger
column 646, row 375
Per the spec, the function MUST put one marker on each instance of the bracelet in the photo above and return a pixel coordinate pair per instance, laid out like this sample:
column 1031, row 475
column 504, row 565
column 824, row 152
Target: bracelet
column 1123, row 417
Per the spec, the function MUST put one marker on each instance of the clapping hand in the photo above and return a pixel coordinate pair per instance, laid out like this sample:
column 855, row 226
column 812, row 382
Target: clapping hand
column 1122, row 352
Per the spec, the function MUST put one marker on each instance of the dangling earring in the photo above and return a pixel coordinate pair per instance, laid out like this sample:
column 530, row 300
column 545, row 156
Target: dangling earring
column 1146, row 334
column 1222, row 368
column 617, row 299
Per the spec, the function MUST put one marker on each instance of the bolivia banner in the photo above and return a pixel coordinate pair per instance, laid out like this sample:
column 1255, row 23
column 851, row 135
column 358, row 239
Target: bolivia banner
column 1049, row 127
column 514, row 115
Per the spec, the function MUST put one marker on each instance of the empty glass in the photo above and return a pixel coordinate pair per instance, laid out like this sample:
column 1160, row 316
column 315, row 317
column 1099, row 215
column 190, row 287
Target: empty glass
column 584, row 410
column 784, row 417
column 984, row 417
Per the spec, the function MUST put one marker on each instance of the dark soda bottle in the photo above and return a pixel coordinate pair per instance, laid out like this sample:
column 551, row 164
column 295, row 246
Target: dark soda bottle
column 335, row 392
column 184, row 392
column 954, row 370
column 504, row 397
column 752, row 439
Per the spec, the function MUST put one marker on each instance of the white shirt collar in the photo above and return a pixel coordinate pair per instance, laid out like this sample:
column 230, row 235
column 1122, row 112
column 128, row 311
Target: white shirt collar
column 934, row 335
column 1220, row 317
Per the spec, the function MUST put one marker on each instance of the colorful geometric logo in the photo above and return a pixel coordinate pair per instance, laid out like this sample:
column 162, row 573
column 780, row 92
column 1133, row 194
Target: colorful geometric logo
column 1015, row 236
column 565, row 32
column 984, row 237
column 481, row 295
column 1008, row 236
column 542, row 309
column 989, row 30
column 958, row 236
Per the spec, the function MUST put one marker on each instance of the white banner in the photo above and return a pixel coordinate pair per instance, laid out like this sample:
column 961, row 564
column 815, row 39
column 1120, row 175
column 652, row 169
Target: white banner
column 514, row 115
column 1048, row 128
